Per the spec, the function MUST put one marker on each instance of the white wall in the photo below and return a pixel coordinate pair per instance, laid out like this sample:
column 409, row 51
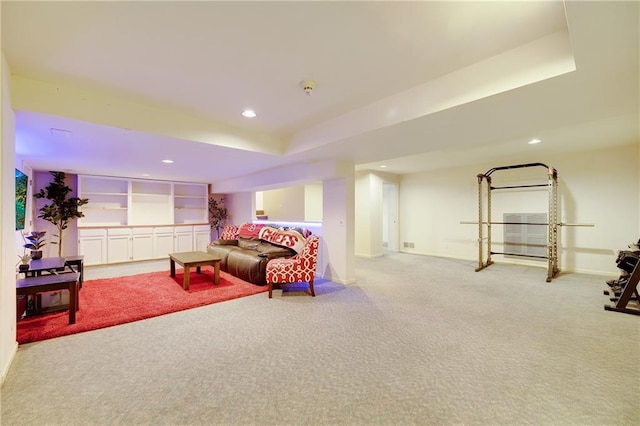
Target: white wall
column 599, row 187
column 285, row 203
column 8, row 254
column 70, row 235
column 363, row 206
column 297, row 203
column 369, row 196
column 241, row 207
column 313, row 202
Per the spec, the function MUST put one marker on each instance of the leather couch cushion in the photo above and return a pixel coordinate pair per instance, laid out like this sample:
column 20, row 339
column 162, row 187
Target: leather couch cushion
column 246, row 265
column 248, row 243
column 222, row 251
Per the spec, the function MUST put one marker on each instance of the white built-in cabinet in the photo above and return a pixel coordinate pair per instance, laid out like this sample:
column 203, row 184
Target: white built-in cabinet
column 118, row 245
column 201, row 237
column 141, row 243
column 163, row 241
column 134, row 219
column 93, row 244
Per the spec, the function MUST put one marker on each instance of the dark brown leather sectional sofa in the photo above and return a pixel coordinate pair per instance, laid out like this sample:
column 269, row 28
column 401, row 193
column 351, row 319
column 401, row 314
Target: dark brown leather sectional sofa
column 246, row 258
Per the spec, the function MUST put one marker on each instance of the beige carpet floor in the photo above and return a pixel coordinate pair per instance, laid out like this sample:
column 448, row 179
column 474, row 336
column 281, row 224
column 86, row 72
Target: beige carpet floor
column 417, row 340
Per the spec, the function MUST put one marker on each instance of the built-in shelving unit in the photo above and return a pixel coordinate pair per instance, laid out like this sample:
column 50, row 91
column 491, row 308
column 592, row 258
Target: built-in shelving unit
column 188, row 203
column 109, row 201
column 136, row 219
column 151, row 203
column 128, row 202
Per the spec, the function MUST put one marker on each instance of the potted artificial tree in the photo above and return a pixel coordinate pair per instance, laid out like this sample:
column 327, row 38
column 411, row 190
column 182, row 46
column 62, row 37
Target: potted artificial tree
column 62, row 209
column 35, row 243
column 217, row 214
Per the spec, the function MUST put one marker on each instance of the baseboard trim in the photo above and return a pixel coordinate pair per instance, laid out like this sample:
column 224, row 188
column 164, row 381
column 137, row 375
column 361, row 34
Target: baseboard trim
column 542, row 265
column 5, row 368
column 336, row 280
column 368, row 256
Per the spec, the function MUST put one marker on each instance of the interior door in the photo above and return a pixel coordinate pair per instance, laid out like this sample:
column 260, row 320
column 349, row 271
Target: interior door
column 390, row 216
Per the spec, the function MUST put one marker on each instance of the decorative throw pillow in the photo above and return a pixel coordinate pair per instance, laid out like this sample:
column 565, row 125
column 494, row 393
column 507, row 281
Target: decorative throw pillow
column 250, row 230
column 291, row 239
column 229, row 232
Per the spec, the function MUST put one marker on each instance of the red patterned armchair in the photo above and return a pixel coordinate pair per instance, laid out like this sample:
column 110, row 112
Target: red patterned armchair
column 299, row 268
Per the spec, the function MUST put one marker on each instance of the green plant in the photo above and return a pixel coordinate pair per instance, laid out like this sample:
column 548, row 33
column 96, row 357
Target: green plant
column 62, row 209
column 218, row 213
column 36, row 240
column 24, row 258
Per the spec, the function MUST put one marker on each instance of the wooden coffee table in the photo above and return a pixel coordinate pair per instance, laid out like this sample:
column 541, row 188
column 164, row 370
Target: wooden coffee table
column 194, row 258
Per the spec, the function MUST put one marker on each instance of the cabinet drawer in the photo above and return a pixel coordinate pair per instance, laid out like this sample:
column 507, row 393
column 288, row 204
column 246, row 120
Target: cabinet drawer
column 142, row 231
column 184, row 229
column 160, row 230
column 118, row 231
column 92, row 233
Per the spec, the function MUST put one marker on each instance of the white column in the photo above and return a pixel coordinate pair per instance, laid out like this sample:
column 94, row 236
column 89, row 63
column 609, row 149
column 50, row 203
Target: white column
column 8, row 249
column 338, row 224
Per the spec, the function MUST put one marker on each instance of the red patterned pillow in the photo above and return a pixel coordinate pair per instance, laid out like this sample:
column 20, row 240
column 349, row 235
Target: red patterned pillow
column 229, row 232
column 250, row 230
column 291, row 239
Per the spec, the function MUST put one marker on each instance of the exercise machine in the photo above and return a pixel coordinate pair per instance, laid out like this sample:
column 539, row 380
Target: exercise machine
column 484, row 226
column 625, row 289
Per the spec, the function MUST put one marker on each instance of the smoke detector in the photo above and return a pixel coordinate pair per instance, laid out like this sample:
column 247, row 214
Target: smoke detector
column 308, row 86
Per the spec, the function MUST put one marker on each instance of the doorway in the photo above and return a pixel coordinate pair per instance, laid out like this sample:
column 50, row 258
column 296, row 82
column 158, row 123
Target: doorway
column 389, row 217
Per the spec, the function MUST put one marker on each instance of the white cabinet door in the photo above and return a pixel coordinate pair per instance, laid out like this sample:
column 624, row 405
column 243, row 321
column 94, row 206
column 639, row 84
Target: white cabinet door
column 184, row 238
column 92, row 243
column 162, row 242
column 201, row 236
column 118, row 245
column 142, row 245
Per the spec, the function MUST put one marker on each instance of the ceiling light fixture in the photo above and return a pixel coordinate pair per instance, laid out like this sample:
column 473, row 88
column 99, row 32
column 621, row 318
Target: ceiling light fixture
column 534, row 141
column 249, row 113
column 167, row 161
column 383, row 166
column 308, row 86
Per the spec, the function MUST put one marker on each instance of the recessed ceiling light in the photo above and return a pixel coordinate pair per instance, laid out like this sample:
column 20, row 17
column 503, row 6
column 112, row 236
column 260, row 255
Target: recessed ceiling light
column 167, row 161
column 249, row 113
column 146, row 174
column 534, row 141
column 383, row 166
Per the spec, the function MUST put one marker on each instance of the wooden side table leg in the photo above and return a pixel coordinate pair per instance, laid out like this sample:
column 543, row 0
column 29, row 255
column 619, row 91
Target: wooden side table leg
column 73, row 301
column 81, row 270
column 172, row 264
column 186, row 277
column 216, row 273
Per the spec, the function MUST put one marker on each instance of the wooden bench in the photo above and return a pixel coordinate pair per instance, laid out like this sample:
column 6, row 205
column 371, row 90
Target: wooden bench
column 53, row 282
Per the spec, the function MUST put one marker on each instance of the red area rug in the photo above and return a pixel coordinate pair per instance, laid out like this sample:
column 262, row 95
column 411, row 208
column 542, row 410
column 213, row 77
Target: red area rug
column 113, row 301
